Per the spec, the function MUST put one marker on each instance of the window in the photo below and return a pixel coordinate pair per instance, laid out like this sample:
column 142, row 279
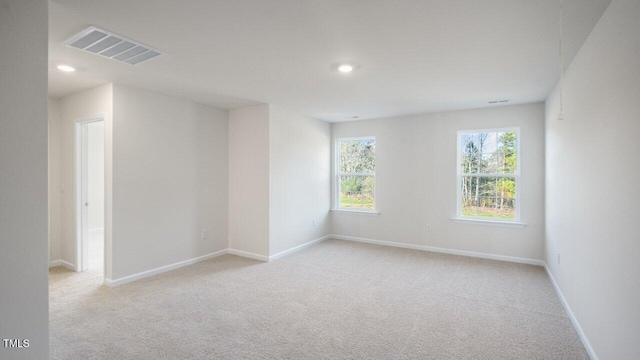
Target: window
column 488, row 174
column 356, row 173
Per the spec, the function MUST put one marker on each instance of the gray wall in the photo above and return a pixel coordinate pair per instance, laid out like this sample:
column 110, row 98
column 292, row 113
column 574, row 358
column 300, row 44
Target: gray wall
column 299, row 179
column 55, row 180
column 23, row 177
column 416, row 182
column 592, row 195
column 170, row 173
column 249, row 180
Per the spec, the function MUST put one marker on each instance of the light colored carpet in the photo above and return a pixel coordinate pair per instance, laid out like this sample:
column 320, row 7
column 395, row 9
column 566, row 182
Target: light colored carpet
column 335, row 300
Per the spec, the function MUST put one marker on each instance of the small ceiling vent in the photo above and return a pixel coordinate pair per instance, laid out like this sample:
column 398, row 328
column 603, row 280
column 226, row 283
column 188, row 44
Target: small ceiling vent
column 110, row 45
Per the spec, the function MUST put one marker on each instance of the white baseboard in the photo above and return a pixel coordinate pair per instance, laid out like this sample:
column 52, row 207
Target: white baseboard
column 249, row 255
column 298, row 248
column 148, row 273
column 259, row 257
column 61, row 262
column 156, row 271
column 574, row 321
column 441, row 250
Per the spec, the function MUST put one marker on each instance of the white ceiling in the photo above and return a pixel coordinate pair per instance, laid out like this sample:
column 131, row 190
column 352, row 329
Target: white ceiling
column 416, row 55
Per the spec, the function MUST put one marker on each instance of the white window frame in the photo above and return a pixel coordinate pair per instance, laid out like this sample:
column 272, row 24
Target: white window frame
column 483, row 220
column 336, row 200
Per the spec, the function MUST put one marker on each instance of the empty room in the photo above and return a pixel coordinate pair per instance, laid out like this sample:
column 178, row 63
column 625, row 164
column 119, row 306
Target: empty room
column 319, row 179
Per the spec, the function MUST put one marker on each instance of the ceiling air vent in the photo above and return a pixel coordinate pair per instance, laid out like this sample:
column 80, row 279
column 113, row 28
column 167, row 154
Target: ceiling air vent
column 110, row 45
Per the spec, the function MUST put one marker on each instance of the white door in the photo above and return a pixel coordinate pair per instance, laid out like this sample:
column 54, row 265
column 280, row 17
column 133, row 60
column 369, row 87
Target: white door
column 87, row 188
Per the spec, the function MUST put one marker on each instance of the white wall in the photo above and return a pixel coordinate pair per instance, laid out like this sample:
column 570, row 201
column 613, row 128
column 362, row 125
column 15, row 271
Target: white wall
column 96, row 175
column 300, row 179
column 170, row 176
column 82, row 105
column 55, row 195
column 23, row 178
column 249, row 179
column 416, row 181
column 592, row 195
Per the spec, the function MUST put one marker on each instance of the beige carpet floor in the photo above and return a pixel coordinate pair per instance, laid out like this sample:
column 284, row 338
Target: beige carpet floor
column 335, row 300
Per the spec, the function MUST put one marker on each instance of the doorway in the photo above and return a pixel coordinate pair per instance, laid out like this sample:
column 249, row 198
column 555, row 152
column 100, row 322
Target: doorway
column 90, row 195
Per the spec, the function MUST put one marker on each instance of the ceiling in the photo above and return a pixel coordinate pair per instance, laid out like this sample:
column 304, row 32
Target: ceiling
column 414, row 56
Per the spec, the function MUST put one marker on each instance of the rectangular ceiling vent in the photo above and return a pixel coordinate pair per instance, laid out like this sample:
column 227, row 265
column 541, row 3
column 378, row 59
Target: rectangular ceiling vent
column 112, row 46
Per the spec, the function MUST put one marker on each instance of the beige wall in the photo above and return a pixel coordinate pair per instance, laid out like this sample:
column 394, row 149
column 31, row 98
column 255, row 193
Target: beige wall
column 23, row 178
column 416, row 182
column 170, row 177
column 299, row 179
column 592, row 194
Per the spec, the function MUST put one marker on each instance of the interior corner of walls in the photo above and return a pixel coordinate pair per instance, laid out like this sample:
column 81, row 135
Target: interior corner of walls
column 249, row 176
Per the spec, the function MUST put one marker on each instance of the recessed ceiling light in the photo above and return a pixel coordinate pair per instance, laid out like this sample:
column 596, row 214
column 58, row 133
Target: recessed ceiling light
column 66, row 68
column 345, row 68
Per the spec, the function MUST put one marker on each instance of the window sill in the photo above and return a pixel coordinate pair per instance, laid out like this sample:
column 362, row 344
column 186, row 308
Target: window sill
column 356, row 212
column 513, row 224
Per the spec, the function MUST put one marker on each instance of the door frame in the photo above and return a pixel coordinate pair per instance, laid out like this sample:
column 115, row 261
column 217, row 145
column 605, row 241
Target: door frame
column 80, row 241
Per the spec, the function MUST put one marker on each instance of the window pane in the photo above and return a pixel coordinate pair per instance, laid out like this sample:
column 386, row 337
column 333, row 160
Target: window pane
column 488, row 153
column 488, row 197
column 489, row 163
column 469, row 143
column 356, row 192
column 507, row 144
column 469, row 207
column 470, row 164
column 499, row 162
column 506, row 192
column 357, row 156
column 489, row 142
column 506, row 208
column 487, row 186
